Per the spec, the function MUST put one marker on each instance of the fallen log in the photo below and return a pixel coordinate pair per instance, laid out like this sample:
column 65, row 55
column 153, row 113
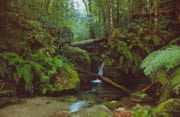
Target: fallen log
column 86, row 42
column 107, row 80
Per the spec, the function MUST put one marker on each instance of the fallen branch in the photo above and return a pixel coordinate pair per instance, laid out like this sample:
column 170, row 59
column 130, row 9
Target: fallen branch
column 107, row 80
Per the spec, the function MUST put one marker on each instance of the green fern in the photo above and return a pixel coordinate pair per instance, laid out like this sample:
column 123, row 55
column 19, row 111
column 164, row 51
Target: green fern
column 38, row 67
column 167, row 58
column 176, row 81
column 11, row 57
column 24, row 71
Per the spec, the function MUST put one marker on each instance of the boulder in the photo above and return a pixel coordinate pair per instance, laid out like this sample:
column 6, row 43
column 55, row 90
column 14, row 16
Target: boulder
column 67, row 79
column 113, row 104
column 95, row 111
column 80, row 58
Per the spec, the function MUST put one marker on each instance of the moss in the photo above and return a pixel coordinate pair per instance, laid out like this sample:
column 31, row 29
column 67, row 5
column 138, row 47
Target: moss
column 113, row 104
column 80, row 58
column 67, row 79
column 140, row 97
column 76, row 54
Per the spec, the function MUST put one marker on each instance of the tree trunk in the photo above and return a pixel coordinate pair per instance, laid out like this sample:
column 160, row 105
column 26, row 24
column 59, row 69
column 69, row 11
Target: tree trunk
column 46, row 5
column 177, row 10
column 92, row 34
column 155, row 7
column 110, row 15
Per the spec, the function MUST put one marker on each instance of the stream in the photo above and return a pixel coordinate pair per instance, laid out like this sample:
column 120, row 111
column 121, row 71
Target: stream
column 65, row 105
column 96, row 89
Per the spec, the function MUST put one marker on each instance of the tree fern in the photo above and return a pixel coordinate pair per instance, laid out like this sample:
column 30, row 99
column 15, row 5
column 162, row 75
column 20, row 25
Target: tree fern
column 166, row 58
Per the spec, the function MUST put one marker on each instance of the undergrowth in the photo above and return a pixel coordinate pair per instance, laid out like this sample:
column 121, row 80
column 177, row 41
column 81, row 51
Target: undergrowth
column 38, row 67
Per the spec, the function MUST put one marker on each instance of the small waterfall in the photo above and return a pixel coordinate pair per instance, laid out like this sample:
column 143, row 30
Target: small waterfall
column 100, row 73
column 101, row 69
column 96, row 89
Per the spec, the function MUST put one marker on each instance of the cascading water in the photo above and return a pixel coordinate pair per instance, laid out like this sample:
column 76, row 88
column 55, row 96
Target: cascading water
column 100, row 73
column 101, row 69
column 96, row 89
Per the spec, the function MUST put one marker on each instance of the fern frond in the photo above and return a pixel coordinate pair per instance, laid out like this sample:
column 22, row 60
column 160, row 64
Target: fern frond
column 3, row 68
column 24, row 71
column 161, row 59
column 11, row 57
column 39, row 70
column 176, row 81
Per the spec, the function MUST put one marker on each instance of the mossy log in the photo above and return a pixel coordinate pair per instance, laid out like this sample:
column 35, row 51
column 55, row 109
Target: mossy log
column 86, row 42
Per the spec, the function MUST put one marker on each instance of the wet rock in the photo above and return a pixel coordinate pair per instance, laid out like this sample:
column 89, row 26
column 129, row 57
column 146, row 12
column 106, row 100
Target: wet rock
column 112, row 104
column 140, row 97
column 95, row 111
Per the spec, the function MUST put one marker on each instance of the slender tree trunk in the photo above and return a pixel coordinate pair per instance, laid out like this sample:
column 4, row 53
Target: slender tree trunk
column 177, row 10
column 155, row 7
column 2, row 15
column 110, row 15
column 46, row 5
column 130, row 2
column 86, row 6
column 92, row 35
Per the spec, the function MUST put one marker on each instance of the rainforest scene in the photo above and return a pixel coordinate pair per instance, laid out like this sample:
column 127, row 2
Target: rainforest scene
column 89, row 58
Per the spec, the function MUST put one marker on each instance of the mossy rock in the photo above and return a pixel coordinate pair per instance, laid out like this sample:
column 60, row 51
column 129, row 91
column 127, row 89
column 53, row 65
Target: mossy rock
column 67, row 79
column 80, row 58
column 140, row 97
column 113, row 104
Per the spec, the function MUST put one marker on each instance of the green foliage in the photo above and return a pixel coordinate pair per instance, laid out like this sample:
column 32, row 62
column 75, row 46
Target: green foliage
column 128, row 46
column 167, row 58
column 170, row 106
column 166, row 88
column 24, row 71
column 163, row 66
column 175, row 82
column 38, row 37
column 146, row 111
column 36, row 67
